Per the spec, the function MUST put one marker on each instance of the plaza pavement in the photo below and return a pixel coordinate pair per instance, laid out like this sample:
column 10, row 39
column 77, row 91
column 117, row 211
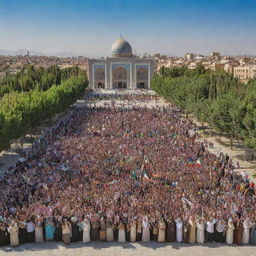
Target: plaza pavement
column 127, row 249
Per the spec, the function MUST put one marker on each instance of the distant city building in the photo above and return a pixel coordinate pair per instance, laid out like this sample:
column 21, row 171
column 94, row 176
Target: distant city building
column 245, row 73
column 229, row 68
column 215, row 55
column 134, row 73
column 216, row 66
column 121, row 71
column 190, row 56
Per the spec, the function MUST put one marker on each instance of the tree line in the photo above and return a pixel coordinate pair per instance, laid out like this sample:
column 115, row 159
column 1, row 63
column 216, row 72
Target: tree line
column 22, row 110
column 215, row 97
column 41, row 79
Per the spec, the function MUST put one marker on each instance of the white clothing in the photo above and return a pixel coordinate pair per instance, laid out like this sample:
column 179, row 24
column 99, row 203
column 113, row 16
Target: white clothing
column 230, row 234
column 210, row 226
column 200, row 232
column 220, row 226
column 246, row 232
column 121, row 236
column 145, row 231
column 145, row 235
column 86, row 232
column 30, row 227
column 179, row 229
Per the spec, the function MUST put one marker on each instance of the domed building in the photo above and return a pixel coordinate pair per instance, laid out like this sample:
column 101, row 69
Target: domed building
column 123, row 70
column 121, row 48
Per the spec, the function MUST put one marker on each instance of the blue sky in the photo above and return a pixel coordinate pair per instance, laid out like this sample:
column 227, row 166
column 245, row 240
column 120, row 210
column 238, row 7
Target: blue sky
column 167, row 26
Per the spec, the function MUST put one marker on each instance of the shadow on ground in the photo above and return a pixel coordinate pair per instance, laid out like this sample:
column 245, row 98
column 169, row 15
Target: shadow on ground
column 104, row 245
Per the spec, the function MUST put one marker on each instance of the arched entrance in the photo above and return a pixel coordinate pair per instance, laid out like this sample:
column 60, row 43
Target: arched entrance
column 99, row 77
column 141, row 85
column 120, row 76
column 142, row 77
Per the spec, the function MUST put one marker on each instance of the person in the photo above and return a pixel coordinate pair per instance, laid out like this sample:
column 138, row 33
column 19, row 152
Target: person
column 121, row 232
column 133, row 230
column 155, row 231
column 139, row 231
column 253, row 234
column 230, row 232
column 102, row 229
column 115, row 225
column 86, row 227
column 192, row 230
column 209, row 231
column 3, row 234
column 66, row 231
column 74, row 229
column 80, row 229
column 39, row 236
column 161, row 231
column 179, row 229
column 109, row 230
column 127, row 231
column 49, row 229
column 30, row 226
column 171, row 231
column 186, row 231
column 95, row 229
column 145, row 230
column 13, row 230
column 58, row 229
column 23, row 234
column 220, row 231
column 238, row 231
column 247, row 225
column 200, row 225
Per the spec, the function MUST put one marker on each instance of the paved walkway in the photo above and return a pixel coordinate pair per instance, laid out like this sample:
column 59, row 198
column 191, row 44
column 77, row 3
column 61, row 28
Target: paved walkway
column 127, row 249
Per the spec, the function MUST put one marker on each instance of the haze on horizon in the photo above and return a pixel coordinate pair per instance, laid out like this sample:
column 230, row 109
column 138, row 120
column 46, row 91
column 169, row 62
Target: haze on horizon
column 89, row 27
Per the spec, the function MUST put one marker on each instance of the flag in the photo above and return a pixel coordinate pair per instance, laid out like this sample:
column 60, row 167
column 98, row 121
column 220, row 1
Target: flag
column 198, row 163
column 145, row 176
column 191, row 160
column 133, row 175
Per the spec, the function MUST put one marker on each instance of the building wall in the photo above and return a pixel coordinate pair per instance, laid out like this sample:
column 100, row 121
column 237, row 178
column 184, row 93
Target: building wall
column 110, row 63
column 245, row 73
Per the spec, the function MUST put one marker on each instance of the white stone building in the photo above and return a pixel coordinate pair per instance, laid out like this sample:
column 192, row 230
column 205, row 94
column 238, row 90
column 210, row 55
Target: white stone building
column 245, row 73
column 121, row 71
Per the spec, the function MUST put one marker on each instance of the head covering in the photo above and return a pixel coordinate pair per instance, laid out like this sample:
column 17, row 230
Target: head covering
column 74, row 219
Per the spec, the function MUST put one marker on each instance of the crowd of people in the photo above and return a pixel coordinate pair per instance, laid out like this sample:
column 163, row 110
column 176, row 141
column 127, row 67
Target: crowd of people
column 125, row 174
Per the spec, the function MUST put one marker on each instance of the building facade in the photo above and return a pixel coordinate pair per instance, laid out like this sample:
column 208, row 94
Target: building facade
column 121, row 71
column 245, row 73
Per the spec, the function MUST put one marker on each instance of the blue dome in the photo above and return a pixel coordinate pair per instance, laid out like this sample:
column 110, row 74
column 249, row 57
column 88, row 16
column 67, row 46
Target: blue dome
column 121, row 48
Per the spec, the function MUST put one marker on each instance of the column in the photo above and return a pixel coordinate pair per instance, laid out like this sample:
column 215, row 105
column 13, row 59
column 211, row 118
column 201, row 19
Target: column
column 110, row 74
column 131, row 76
column 134, row 75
